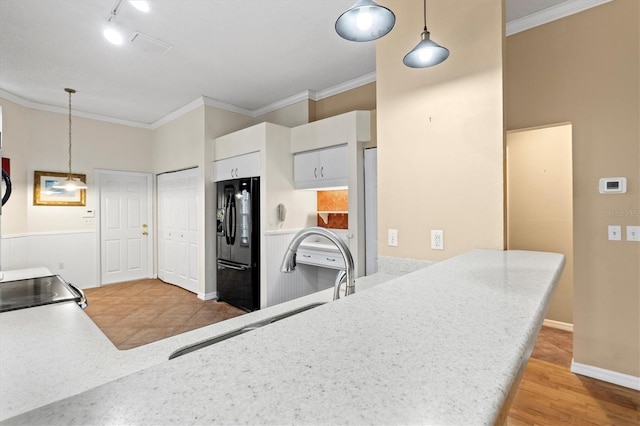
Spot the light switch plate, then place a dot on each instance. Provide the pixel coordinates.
(615, 232)
(633, 233)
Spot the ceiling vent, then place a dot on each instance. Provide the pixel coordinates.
(149, 44)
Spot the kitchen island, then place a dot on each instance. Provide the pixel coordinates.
(442, 345)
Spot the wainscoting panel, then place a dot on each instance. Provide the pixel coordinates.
(72, 255)
(281, 287)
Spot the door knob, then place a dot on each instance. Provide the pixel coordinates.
(145, 233)
(144, 225)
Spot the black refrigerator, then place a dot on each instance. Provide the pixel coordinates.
(238, 242)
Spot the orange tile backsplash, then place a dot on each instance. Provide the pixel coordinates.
(334, 221)
(337, 200)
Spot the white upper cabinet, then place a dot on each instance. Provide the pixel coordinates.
(321, 168)
(240, 166)
(351, 127)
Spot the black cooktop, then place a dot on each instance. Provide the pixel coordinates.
(32, 292)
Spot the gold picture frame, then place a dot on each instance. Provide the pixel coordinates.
(45, 195)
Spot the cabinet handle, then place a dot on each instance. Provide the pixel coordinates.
(315, 172)
(236, 172)
(306, 255)
(231, 172)
(322, 171)
(331, 259)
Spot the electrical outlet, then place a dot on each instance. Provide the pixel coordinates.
(393, 238)
(437, 239)
(614, 232)
(633, 233)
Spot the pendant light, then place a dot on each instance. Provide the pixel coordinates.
(427, 53)
(70, 184)
(365, 21)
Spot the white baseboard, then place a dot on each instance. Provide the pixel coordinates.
(614, 377)
(208, 296)
(559, 325)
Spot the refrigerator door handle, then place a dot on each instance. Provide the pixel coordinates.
(223, 264)
(232, 232)
(227, 218)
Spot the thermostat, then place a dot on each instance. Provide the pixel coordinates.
(616, 185)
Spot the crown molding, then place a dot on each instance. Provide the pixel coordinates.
(194, 104)
(315, 96)
(550, 14)
(225, 106)
(347, 85)
(293, 99)
(202, 101)
(60, 110)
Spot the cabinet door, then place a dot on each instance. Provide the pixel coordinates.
(333, 163)
(305, 166)
(323, 168)
(247, 165)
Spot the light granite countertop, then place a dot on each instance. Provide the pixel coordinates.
(51, 352)
(441, 345)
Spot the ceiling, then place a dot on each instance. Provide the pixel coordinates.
(247, 54)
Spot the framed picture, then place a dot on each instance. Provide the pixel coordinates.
(45, 195)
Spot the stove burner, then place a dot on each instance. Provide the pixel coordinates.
(33, 292)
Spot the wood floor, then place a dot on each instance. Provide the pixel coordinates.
(139, 312)
(549, 394)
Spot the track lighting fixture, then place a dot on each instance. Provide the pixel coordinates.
(112, 32)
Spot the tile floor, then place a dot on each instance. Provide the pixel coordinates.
(138, 312)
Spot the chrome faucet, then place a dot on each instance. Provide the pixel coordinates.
(289, 261)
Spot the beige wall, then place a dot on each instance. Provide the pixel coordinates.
(289, 116)
(540, 203)
(360, 98)
(179, 144)
(38, 140)
(585, 69)
(440, 131)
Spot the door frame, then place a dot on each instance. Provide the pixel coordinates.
(370, 165)
(99, 175)
(566, 281)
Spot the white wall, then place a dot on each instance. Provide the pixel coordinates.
(278, 168)
(38, 140)
(75, 250)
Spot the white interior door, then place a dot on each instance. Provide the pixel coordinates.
(178, 229)
(125, 219)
